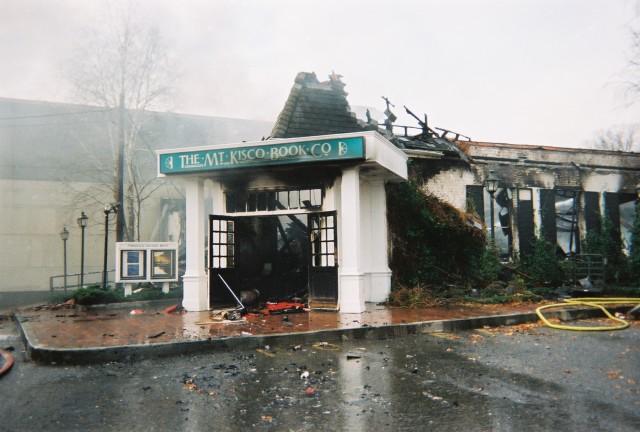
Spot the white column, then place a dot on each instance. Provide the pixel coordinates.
(537, 212)
(380, 274)
(195, 286)
(217, 196)
(351, 278)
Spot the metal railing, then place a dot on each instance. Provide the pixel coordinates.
(591, 266)
(73, 280)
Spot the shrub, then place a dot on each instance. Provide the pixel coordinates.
(608, 244)
(57, 298)
(95, 294)
(432, 244)
(488, 268)
(544, 264)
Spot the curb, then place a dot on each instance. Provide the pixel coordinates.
(128, 353)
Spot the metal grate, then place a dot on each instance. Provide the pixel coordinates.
(590, 266)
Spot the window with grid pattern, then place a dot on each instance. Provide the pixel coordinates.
(323, 240)
(222, 253)
(273, 200)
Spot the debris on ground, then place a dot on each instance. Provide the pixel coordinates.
(326, 346)
(285, 308)
(69, 304)
(175, 309)
(223, 316)
(527, 328)
(136, 312)
(249, 297)
(234, 315)
(157, 335)
(7, 363)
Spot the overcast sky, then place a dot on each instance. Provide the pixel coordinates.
(543, 72)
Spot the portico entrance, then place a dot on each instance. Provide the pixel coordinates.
(288, 217)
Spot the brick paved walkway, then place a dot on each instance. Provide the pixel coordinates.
(69, 328)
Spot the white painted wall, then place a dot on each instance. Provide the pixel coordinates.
(450, 186)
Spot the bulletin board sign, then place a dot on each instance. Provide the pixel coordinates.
(146, 262)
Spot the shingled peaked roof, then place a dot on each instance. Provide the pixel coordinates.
(315, 108)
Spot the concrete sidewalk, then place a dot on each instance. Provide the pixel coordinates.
(127, 332)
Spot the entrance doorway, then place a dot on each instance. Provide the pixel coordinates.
(282, 256)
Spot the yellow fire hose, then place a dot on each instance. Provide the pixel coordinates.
(591, 302)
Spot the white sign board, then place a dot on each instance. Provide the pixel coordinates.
(146, 262)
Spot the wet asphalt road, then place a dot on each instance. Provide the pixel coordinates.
(508, 379)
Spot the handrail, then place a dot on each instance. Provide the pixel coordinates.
(71, 284)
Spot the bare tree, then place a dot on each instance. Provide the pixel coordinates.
(631, 74)
(618, 138)
(124, 67)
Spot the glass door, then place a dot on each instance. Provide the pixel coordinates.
(323, 266)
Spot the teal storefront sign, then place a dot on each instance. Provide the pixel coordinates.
(261, 155)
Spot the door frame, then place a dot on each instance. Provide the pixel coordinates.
(221, 259)
(323, 260)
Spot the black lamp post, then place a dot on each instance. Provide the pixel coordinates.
(108, 209)
(491, 183)
(82, 223)
(64, 235)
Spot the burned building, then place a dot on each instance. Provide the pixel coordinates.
(305, 210)
(559, 194)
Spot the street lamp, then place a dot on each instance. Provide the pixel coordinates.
(491, 183)
(64, 235)
(82, 223)
(108, 209)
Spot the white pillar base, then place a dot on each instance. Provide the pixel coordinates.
(379, 286)
(352, 293)
(195, 293)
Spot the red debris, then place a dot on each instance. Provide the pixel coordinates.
(8, 362)
(171, 309)
(284, 307)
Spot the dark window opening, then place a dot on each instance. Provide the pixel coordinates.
(274, 200)
(566, 208)
(502, 205)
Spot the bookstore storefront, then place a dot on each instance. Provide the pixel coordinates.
(302, 217)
